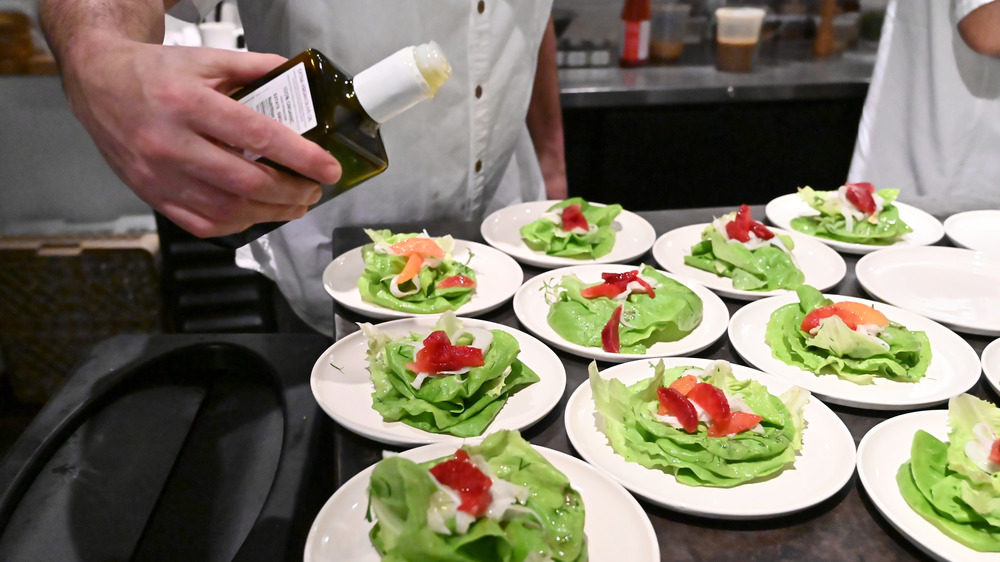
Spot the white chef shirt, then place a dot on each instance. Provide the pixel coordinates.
(457, 156)
(931, 121)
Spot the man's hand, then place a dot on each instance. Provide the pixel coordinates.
(163, 120)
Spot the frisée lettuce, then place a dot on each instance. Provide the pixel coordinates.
(573, 228)
(841, 219)
(453, 397)
(529, 512)
(857, 354)
(640, 430)
(956, 485)
(435, 283)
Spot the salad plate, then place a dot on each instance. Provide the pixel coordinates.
(616, 525)
(822, 266)
(634, 236)
(926, 229)
(954, 366)
(975, 230)
(497, 276)
(824, 465)
(991, 364)
(342, 386)
(532, 308)
(955, 286)
(880, 454)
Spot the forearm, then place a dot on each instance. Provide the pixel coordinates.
(545, 118)
(980, 29)
(69, 25)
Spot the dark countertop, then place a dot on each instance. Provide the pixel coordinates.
(215, 444)
(844, 527)
(694, 79)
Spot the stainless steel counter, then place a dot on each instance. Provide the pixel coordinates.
(776, 78)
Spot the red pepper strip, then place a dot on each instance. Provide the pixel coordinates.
(741, 227)
(860, 194)
(609, 290)
(623, 279)
(616, 284)
(675, 404)
(472, 485)
(609, 335)
(439, 355)
(572, 217)
(456, 281)
(711, 399)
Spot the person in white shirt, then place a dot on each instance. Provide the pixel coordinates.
(931, 121)
(491, 137)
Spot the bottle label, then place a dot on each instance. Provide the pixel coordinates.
(635, 41)
(287, 99)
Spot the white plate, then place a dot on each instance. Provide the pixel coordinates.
(956, 287)
(502, 230)
(822, 265)
(616, 526)
(532, 311)
(824, 465)
(991, 364)
(926, 229)
(498, 276)
(954, 366)
(880, 454)
(975, 230)
(341, 384)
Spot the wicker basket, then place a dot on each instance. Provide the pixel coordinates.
(60, 295)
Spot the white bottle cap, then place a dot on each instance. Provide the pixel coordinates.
(392, 85)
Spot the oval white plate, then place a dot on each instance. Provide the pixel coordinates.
(991, 364)
(956, 287)
(954, 366)
(880, 454)
(498, 276)
(532, 311)
(975, 230)
(821, 264)
(926, 229)
(341, 384)
(824, 465)
(616, 526)
(502, 230)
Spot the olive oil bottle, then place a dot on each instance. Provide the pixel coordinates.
(340, 112)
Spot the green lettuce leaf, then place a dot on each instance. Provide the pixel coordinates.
(830, 223)
(766, 268)
(430, 299)
(674, 313)
(628, 413)
(948, 489)
(838, 350)
(544, 235)
(460, 404)
(552, 525)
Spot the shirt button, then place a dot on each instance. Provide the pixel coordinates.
(479, 92)
(481, 6)
(479, 165)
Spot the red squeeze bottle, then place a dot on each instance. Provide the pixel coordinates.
(635, 40)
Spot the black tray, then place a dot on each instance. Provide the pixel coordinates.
(179, 447)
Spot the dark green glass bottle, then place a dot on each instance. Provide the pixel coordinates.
(340, 112)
